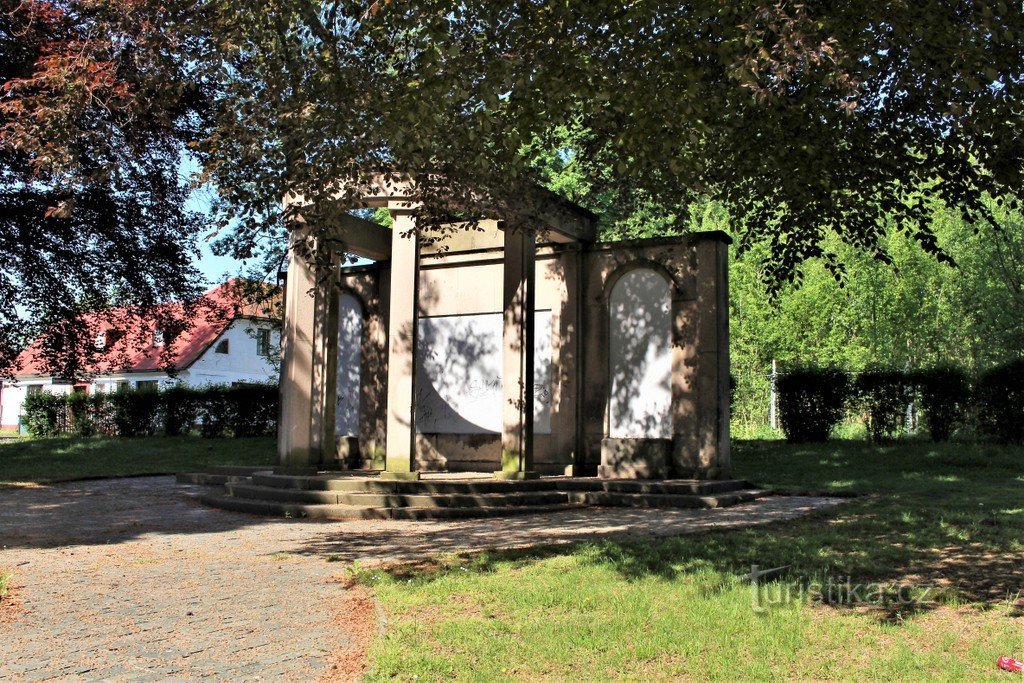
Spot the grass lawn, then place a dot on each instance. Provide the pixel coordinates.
(27, 461)
(936, 543)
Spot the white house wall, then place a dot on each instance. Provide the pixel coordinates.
(10, 405)
(241, 364)
(13, 396)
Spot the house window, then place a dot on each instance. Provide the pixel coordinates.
(222, 347)
(33, 389)
(263, 342)
(101, 340)
(147, 385)
(158, 337)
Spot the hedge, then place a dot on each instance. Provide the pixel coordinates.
(239, 411)
(883, 396)
(1000, 402)
(46, 414)
(812, 401)
(944, 393)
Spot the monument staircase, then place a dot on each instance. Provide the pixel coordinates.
(364, 495)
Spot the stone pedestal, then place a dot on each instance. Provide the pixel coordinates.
(635, 458)
(348, 452)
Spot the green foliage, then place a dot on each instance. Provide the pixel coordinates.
(88, 413)
(253, 409)
(916, 313)
(882, 395)
(811, 402)
(180, 407)
(944, 393)
(45, 414)
(245, 410)
(794, 116)
(1000, 398)
(214, 411)
(135, 412)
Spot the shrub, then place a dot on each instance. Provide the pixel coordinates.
(1000, 398)
(252, 409)
(45, 414)
(883, 396)
(944, 393)
(86, 413)
(180, 406)
(214, 414)
(243, 410)
(134, 412)
(811, 402)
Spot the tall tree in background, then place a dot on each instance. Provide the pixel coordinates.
(96, 107)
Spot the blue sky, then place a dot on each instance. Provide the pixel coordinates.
(215, 269)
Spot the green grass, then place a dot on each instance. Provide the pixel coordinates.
(27, 461)
(945, 521)
(5, 583)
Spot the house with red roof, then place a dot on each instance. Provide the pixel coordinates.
(228, 341)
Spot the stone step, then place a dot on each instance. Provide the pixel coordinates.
(208, 479)
(662, 500)
(701, 487)
(422, 487)
(394, 500)
(355, 512)
(238, 470)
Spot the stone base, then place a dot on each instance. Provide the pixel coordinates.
(702, 473)
(516, 475)
(635, 458)
(347, 454)
(388, 475)
(296, 470)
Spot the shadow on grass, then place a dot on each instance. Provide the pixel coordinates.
(943, 520)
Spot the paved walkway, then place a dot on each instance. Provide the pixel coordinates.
(132, 579)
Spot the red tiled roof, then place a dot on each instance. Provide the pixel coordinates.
(129, 334)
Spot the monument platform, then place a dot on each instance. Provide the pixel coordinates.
(444, 495)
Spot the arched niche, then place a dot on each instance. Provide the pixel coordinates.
(640, 356)
(350, 361)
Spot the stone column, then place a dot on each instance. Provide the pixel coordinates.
(400, 450)
(308, 357)
(701, 369)
(518, 355)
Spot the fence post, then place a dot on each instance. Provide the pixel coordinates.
(772, 415)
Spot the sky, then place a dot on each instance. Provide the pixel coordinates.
(215, 269)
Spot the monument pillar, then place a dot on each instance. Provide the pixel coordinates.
(400, 450)
(518, 355)
(308, 355)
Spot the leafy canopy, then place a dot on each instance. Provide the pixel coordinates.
(96, 107)
(807, 121)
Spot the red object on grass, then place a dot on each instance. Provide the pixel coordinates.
(1010, 664)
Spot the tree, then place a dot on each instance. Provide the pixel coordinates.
(807, 121)
(96, 109)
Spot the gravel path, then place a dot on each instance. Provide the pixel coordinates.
(132, 579)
